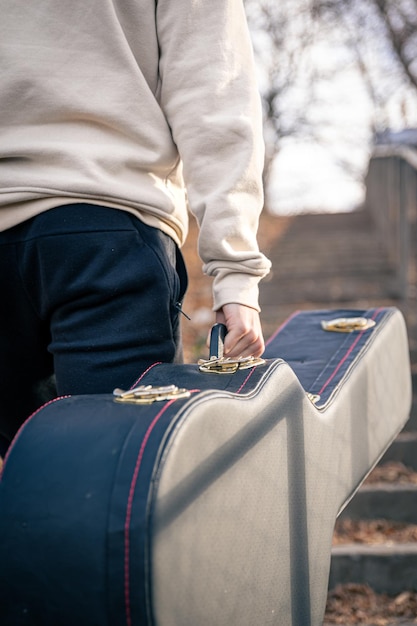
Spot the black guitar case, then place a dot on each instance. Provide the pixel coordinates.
(211, 501)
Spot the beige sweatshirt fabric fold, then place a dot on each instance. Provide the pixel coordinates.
(149, 106)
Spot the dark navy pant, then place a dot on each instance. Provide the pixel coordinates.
(90, 294)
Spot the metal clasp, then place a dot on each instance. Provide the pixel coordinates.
(219, 364)
(222, 365)
(313, 397)
(348, 324)
(147, 394)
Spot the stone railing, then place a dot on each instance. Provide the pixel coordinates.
(391, 197)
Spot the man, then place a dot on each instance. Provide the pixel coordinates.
(111, 113)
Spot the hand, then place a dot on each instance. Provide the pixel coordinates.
(244, 333)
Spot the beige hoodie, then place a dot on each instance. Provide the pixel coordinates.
(143, 105)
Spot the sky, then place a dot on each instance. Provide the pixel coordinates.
(316, 176)
(328, 175)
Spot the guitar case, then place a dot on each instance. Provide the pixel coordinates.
(202, 498)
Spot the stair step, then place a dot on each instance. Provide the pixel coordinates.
(403, 449)
(387, 568)
(397, 502)
(411, 425)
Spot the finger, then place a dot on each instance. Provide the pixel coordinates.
(249, 344)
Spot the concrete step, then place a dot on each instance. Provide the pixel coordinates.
(387, 568)
(403, 449)
(391, 567)
(411, 425)
(306, 258)
(332, 290)
(332, 258)
(396, 502)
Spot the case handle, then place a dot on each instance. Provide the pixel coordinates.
(218, 363)
(217, 336)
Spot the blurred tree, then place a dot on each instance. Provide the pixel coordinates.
(307, 50)
(383, 36)
(400, 19)
(282, 40)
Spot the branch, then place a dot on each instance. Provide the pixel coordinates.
(397, 41)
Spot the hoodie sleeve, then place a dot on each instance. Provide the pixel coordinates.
(210, 97)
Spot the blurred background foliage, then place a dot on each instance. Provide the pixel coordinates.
(334, 75)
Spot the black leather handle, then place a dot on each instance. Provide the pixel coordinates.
(218, 333)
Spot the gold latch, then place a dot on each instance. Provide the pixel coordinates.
(222, 365)
(348, 324)
(219, 364)
(313, 397)
(147, 394)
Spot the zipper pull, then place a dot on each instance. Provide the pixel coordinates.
(178, 306)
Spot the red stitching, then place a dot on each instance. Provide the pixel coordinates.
(144, 373)
(352, 347)
(130, 504)
(129, 509)
(246, 380)
(19, 432)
